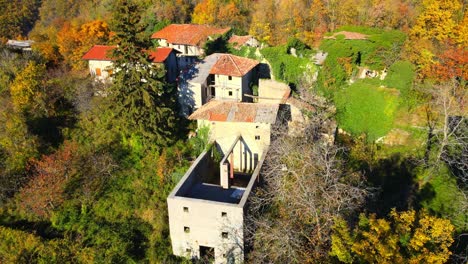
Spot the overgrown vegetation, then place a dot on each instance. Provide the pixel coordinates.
(84, 178)
(286, 67)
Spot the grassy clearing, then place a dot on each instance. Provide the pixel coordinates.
(363, 108)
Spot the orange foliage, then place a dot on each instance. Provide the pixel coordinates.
(74, 41)
(50, 174)
(453, 63)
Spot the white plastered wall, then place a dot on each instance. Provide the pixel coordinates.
(224, 86)
(206, 223)
(103, 65)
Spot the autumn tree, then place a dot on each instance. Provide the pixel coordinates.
(73, 41)
(407, 237)
(262, 26)
(28, 88)
(305, 186)
(436, 24)
(452, 64)
(205, 12)
(46, 188)
(178, 11)
(223, 14)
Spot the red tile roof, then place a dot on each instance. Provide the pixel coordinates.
(188, 34)
(99, 52)
(160, 55)
(232, 65)
(238, 41)
(348, 35)
(229, 111)
(102, 52)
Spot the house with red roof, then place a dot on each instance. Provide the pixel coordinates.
(188, 39)
(101, 66)
(100, 62)
(220, 76)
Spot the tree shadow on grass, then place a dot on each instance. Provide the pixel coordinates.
(394, 179)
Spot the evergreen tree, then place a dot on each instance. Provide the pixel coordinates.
(139, 100)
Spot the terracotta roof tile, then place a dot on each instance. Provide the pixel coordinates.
(228, 64)
(217, 117)
(160, 54)
(102, 52)
(228, 111)
(99, 52)
(188, 34)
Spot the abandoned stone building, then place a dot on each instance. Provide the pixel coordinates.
(207, 207)
(218, 76)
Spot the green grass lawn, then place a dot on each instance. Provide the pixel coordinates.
(363, 108)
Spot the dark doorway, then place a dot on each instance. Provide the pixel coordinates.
(207, 254)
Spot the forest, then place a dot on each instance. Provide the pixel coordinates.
(84, 178)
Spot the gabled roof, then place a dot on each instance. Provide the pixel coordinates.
(103, 52)
(161, 54)
(188, 34)
(228, 111)
(232, 65)
(238, 41)
(99, 52)
(348, 35)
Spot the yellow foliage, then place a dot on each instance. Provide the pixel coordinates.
(27, 88)
(423, 238)
(431, 240)
(461, 32)
(262, 31)
(16, 244)
(436, 21)
(378, 244)
(205, 12)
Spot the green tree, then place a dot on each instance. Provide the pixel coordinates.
(139, 99)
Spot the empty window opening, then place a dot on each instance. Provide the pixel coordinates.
(224, 214)
(230, 78)
(207, 254)
(230, 93)
(224, 235)
(186, 229)
(213, 91)
(185, 209)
